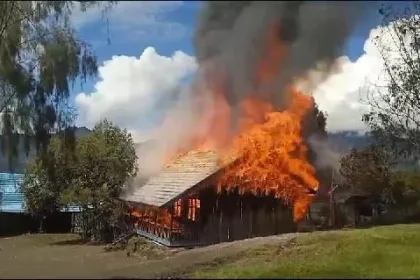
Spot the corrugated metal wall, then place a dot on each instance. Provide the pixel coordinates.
(11, 197)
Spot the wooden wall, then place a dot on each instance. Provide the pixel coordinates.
(229, 216)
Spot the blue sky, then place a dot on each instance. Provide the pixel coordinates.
(130, 44)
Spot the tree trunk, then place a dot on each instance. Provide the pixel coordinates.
(41, 224)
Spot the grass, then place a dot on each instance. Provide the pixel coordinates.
(388, 251)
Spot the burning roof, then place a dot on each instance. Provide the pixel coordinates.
(177, 178)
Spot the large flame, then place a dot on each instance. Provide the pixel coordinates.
(271, 149)
(273, 155)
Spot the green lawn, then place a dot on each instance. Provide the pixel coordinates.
(388, 251)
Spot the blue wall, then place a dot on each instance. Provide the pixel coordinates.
(11, 197)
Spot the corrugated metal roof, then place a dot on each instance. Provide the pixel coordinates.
(71, 208)
(182, 174)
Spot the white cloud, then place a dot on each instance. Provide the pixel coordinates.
(135, 18)
(131, 90)
(343, 95)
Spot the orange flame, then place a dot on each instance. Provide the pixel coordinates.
(273, 154)
(269, 142)
(164, 217)
(160, 217)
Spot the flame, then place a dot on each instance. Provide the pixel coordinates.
(163, 216)
(160, 217)
(269, 143)
(271, 149)
(273, 155)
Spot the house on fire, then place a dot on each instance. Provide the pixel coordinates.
(182, 207)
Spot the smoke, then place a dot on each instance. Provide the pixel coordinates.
(170, 136)
(230, 41)
(326, 157)
(235, 35)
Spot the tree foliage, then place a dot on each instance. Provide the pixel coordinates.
(395, 105)
(47, 177)
(406, 188)
(105, 160)
(91, 176)
(41, 57)
(368, 171)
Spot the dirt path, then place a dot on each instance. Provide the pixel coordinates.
(183, 261)
(37, 256)
(53, 256)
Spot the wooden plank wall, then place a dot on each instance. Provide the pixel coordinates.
(228, 217)
(225, 217)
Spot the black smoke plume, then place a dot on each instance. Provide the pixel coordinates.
(233, 35)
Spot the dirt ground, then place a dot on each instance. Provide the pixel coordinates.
(63, 256)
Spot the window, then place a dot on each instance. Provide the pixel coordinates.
(178, 208)
(193, 208)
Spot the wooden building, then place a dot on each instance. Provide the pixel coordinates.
(182, 207)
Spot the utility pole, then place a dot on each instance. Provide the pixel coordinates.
(331, 198)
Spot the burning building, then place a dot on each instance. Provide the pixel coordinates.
(182, 205)
(241, 164)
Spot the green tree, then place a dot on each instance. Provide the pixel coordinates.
(91, 176)
(368, 171)
(106, 159)
(406, 191)
(41, 57)
(394, 115)
(47, 179)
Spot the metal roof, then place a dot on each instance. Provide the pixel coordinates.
(180, 176)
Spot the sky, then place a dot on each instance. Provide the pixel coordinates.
(151, 54)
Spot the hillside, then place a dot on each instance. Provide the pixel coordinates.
(343, 141)
(23, 159)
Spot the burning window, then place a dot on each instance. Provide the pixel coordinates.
(193, 208)
(178, 208)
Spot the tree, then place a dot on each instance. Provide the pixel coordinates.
(406, 190)
(106, 159)
(47, 179)
(368, 171)
(91, 175)
(394, 116)
(40, 59)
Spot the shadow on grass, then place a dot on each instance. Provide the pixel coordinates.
(126, 277)
(78, 241)
(71, 242)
